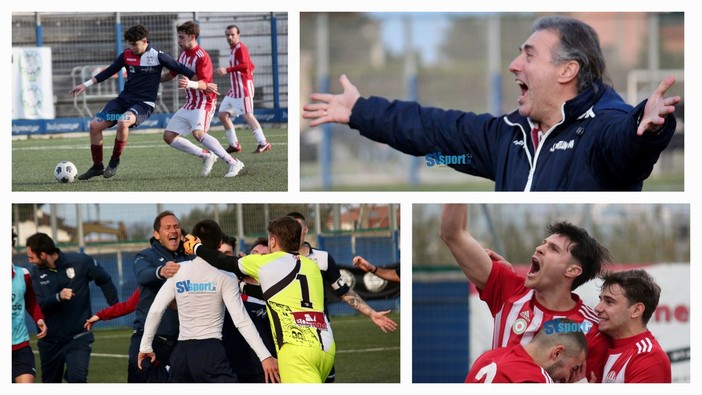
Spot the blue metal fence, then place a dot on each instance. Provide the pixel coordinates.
(440, 335)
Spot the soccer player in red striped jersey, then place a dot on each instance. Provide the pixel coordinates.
(566, 259)
(200, 104)
(239, 99)
(627, 302)
(555, 354)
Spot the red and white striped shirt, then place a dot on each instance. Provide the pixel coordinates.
(518, 315)
(637, 359)
(240, 72)
(198, 60)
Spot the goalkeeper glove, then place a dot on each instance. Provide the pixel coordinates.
(190, 243)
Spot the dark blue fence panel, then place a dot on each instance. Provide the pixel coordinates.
(440, 332)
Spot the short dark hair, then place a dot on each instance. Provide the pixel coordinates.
(189, 27)
(233, 27)
(41, 242)
(260, 241)
(296, 215)
(162, 215)
(136, 33)
(588, 253)
(287, 232)
(638, 287)
(231, 240)
(209, 233)
(579, 42)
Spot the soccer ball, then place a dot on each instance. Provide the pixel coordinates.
(374, 283)
(65, 172)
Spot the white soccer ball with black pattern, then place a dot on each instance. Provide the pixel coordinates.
(65, 172)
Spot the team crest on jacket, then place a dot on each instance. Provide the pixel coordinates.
(70, 273)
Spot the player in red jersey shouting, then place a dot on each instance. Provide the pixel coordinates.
(566, 259)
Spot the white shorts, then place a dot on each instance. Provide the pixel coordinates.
(186, 121)
(236, 106)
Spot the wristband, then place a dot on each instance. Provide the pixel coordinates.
(375, 269)
(88, 83)
(193, 85)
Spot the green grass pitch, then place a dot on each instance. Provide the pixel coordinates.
(149, 164)
(364, 354)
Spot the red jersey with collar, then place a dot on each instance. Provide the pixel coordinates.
(198, 60)
(518, 315)
(637, 359)
(240, 72)
(507, 365)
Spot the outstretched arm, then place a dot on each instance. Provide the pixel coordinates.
(657, 108)
(78, 89)
(173, 65)
(469, 254)
(332, 108)
(378, 317)
(385, 274)
(116, 310)
(221, 261)
(101, 76)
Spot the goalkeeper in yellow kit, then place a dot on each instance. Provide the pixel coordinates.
(294, 293)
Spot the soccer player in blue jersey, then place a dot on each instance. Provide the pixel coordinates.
(134, 104)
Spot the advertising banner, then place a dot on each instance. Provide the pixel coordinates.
(32, 83)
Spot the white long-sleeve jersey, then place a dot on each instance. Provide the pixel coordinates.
(201, 293)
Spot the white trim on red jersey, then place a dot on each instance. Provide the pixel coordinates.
(198, 60)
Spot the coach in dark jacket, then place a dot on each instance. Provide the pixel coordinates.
(61, 281)
(152, 267)
(571, 132)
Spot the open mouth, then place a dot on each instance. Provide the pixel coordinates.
(535, 266)
(524, 89)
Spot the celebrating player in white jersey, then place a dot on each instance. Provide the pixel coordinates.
(201, 101)
(239, 99)
(566, 259)
(201, 293)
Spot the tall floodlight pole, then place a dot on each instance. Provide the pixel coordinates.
(653, 51)
(322, 41)
(411, 82)
(240, 226)
(494, 60)
(120, 49)
(79, 227)
(39, 32)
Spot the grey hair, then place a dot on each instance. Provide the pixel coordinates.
(579, 42)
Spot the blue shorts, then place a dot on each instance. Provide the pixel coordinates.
(200, 361)
(23, 362)
(115, 108)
